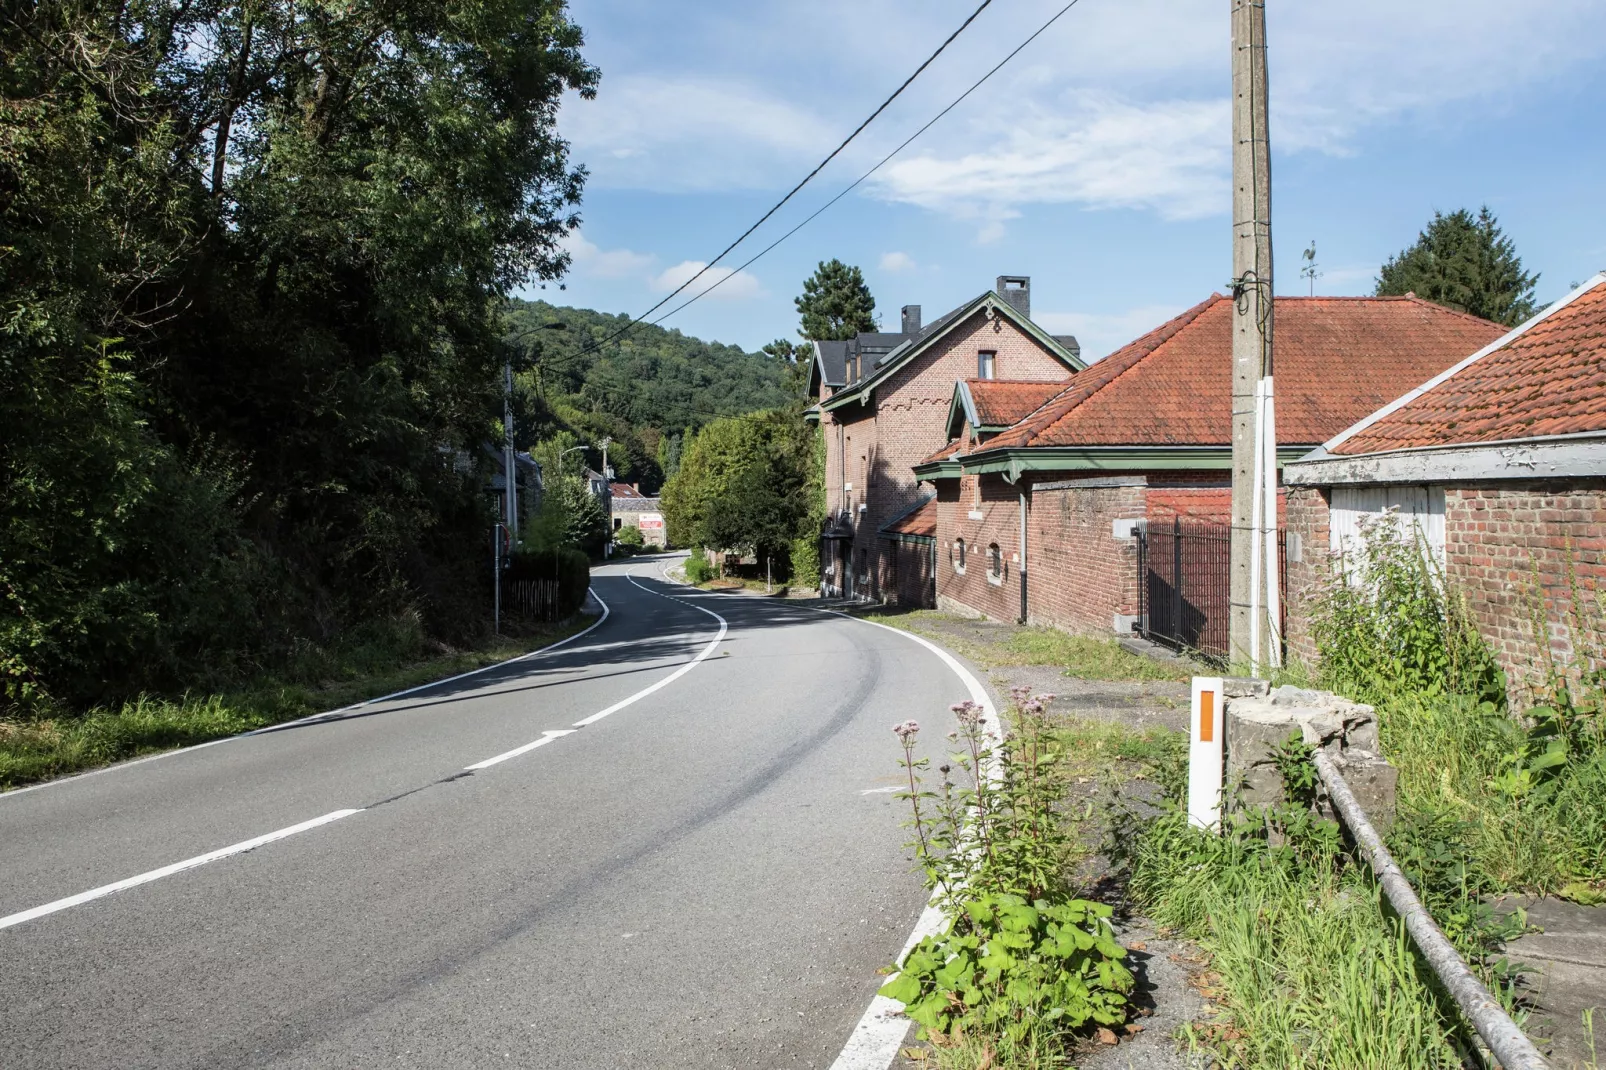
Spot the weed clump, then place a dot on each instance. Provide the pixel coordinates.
(1023, 967)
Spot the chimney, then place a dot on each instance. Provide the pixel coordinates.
(911, 319)
(1017, 290)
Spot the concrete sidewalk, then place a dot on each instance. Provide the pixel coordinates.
(1569, 960)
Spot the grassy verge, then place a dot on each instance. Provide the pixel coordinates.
(1083, 656)
(36, 750)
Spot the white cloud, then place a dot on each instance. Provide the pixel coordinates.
(896, 263)
(1117, 106)
(1096, 150)
(737, 286)
(1101, 334)
(668, 132)
(591, 261)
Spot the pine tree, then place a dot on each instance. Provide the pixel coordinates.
(1464, 262)
(836, 303)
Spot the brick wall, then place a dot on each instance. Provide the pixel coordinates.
(1524, 552)
(984, 511)
(1306, 518)
(1080, 575)
(906, 422)
(1517, 551)
(911, 573)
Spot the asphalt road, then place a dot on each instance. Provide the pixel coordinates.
(704, 878)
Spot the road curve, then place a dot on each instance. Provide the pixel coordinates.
(707, 877)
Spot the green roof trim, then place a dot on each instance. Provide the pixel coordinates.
(1013, 463)
(945, 469)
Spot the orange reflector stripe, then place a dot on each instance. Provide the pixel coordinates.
(1207, 716)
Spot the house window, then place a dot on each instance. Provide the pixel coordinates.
(864, 569)
(986, 364)
(618, 523)
(959, 556)
(995, 564)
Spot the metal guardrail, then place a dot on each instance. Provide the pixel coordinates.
(1508, 1043)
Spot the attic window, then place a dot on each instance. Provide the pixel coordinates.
(987, 364)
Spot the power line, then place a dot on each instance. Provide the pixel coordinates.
(883, 161)
(896, 93)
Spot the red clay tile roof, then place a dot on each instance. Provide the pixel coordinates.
(625, 490)
(1548, 380)
(1001, 402)
(921, 521)
(944, 453)
(1338, 358)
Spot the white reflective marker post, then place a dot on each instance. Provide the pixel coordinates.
(1206, 753)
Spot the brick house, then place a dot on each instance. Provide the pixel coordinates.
(883, 405)
(1040, 521)
(1500, 462)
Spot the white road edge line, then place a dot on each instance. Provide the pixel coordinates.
(549, 736)
(678, 673)
(317, 716)
(875, 1040)
(167, 871)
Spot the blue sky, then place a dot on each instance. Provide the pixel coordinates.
(1098, 162)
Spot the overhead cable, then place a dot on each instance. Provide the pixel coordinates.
(896, 93)
(883, 161)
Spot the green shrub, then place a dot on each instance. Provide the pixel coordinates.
(806, 561)
(629, 535)
(1022, 963)
(698, 568)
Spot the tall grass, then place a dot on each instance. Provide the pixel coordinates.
(376, 661)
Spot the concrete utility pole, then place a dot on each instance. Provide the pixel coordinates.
(1252, 307)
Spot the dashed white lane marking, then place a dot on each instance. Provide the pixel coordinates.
(167, 871)
(258, 841)
(546, 737)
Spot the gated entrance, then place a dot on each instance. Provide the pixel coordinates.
(1183, 584)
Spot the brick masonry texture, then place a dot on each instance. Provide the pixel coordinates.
(913, 569)
(1081, 575)
(881, 444)
(1530, 558)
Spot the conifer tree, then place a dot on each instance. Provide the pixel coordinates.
(835, 303)
(1463, 262)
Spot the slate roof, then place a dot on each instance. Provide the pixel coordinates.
(919, 522)
(1548, 377)
(1338, 358)
(1002, 402)
(833, 360)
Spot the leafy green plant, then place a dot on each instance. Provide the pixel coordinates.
(1022, 971)
(1022, 962)
(698, 568)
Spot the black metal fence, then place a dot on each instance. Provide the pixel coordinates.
(1184, 584)
(534, 600)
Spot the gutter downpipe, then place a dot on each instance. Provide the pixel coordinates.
(1023, 553)
(1508, 1043)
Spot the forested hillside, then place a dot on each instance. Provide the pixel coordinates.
(253, 259)
(644, 389)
